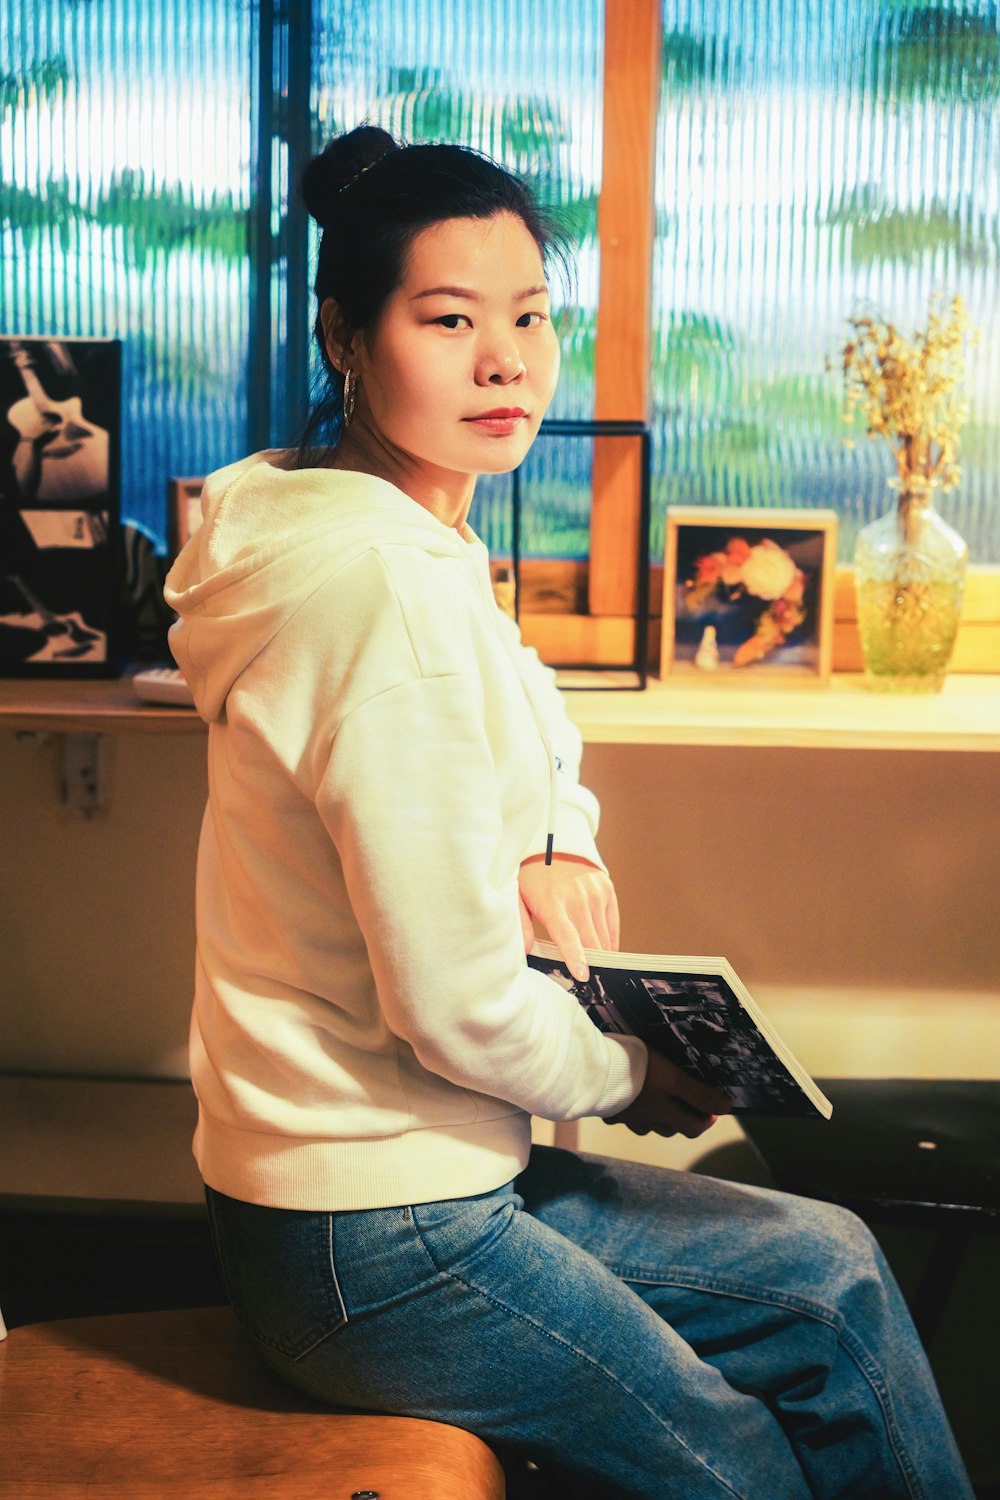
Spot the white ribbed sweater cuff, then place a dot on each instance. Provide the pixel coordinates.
(626, 1076)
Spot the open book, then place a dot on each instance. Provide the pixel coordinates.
(698, 1013)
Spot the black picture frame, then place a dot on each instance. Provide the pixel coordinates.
(60, 507)
(623, 676)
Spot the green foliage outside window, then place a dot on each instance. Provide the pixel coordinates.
(761, 255)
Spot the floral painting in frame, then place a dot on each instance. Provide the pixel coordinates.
(748, 594)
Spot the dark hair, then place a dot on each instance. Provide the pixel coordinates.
(372, 196)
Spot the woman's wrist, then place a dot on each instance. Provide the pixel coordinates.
(573, 859)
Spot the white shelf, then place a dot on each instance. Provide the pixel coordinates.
(965, 715)
(844, 715)
(99, 1145)
(109, 706)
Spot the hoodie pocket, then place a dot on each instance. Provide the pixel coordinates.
(277, 1267)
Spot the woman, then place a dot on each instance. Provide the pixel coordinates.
(393, 804)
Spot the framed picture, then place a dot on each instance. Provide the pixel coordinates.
(183, 510)
(555, 496)
(60, 583)
(748, 594)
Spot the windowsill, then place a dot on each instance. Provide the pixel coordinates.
(844, 715)
(965, 715)
(108, 706)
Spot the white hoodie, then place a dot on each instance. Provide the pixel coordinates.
(366, 1031)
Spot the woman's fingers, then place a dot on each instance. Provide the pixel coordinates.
(527, 926)
(576, 904)
(567, 939)
(671, 1102)
(687, 1122)
(673, 1117)
(606, 921)
(580, 924)
(613, 922)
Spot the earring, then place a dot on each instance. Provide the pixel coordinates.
(350, 396)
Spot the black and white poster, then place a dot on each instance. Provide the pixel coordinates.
(60, 423)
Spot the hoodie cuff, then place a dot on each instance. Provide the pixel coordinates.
(573, 835)
(626, 1076)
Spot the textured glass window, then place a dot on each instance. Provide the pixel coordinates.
(818, 158)
(124, 188)
(815, 158)
(524, 83)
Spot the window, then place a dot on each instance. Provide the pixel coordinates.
(814, 160)
(810, 158)
(524, 84)
(125, 168)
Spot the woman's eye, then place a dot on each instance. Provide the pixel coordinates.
(453, 320)
(530, 319)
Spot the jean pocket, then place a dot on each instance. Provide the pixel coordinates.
(278, 1269)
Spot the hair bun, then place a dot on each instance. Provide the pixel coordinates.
(342, 160)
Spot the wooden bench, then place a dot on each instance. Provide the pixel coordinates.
(161, 1404)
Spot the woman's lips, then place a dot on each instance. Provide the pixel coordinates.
(499, 423)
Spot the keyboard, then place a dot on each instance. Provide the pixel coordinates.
(163, 685)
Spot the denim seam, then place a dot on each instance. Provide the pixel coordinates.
(851, 1344)
(251, 1325)
(579, 1354)
(321, 1331)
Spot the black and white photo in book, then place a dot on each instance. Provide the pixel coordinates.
(697, 1013)
(60, 425)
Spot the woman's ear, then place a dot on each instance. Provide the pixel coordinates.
(336, 336)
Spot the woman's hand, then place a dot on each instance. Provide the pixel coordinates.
(576, 904)
(671, 1102)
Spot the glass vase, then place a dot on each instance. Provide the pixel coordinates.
(910, 579)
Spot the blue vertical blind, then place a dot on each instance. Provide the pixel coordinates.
(817, 159)
(124, 193)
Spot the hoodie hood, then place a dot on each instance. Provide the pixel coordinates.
(270, 536)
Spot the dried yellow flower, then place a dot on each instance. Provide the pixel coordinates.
(906, 390)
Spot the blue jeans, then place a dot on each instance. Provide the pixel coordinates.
(670, 1336)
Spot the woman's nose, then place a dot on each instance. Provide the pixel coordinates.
(500, 364)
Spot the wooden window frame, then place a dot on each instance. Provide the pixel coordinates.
(604, 630)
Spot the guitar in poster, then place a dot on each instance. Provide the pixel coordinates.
(59, 506)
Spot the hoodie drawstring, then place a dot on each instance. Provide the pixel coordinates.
(550, 821)
(486, 586)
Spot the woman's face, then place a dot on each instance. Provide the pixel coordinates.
(460, 368)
